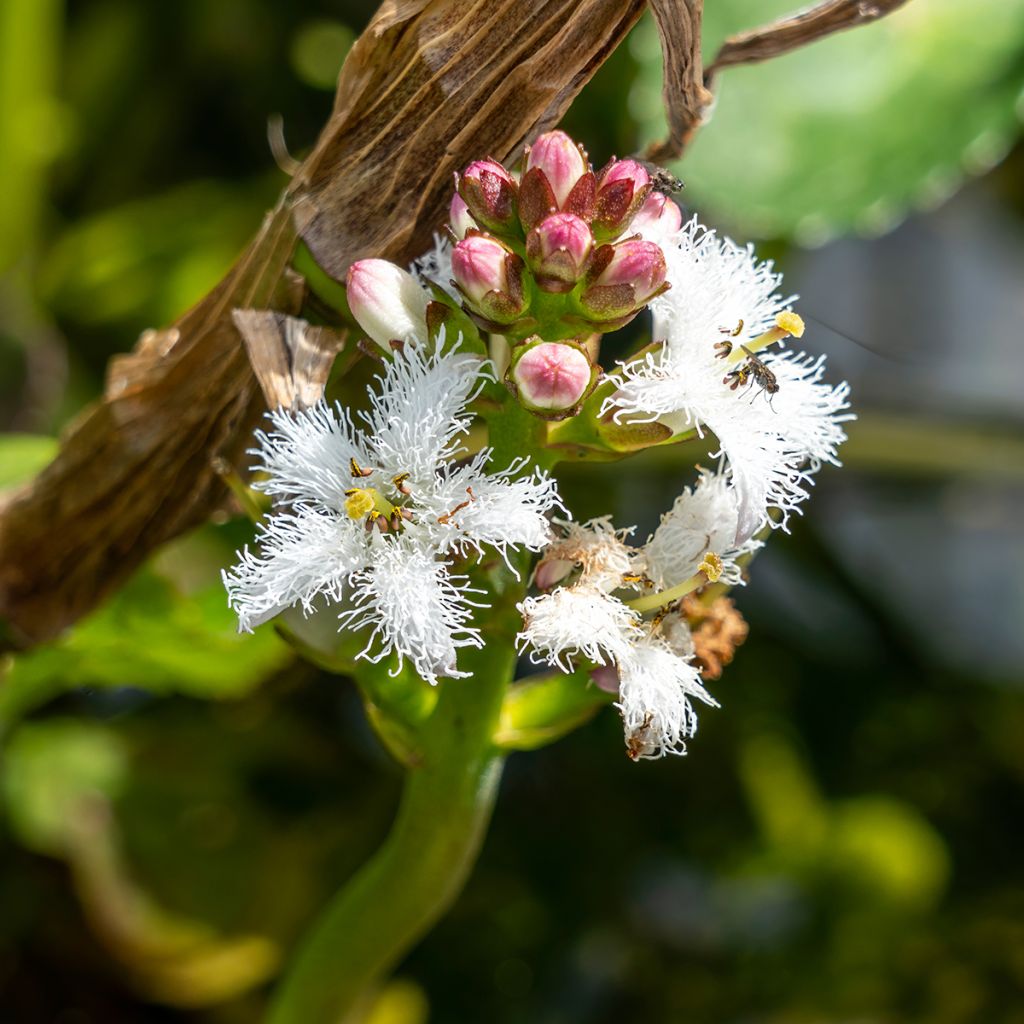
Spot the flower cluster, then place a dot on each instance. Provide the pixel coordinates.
(372, 520)
(386, 523)
(597, 617)
(717, 365)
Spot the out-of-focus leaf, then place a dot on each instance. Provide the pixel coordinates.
(23, 455)
(153, 638)
(147, 260)
(850, 132)
(50, 769)
(61, 781)
(875, 844)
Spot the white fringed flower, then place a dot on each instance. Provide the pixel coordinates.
(721, 293)
(703, 518)
(655, 687)
(580, 621)
(373, 515)
(651, 659)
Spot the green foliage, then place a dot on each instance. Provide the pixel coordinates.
(850, 132)
(152, 637)
(51, 769)
(22, 456)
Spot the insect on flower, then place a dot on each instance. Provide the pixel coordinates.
(753, 371)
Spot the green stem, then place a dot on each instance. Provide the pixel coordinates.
(418, 872)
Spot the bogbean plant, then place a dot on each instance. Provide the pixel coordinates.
(428, 528)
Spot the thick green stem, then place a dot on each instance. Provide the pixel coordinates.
(418, 872)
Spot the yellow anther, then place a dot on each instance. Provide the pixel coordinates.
(359, 502)
(711, 567)
(791, 323)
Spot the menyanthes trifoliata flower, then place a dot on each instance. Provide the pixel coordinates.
(774, 417)
(597, 615)
(371, 519)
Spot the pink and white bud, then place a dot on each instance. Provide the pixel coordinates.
(622, 187)
(551, 378)
(557, 251)
(658, 219)
(624, 278)
(605, 677)
(489, 192)
(459, 217)
(490, 277)
(478, 263)
(561, 160)
(387, 302)
(551, 571)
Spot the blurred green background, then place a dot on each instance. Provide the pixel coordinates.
(842, 844)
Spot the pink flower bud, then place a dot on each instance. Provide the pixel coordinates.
(551, 377)
(561, 160)
(658, 218)
(551, 571)
(622, 187)
(557, 251)
(489, 192)
(605, 677)
(459, 217)
(490, 277)
(387, 301)
(557, 177)
(624, 278)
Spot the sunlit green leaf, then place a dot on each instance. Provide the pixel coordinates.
(153, 638)
(22, 456)
(849, 132)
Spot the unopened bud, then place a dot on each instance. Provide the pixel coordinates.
(490, 277)
(557, 177)
(551, 378)
(387, 302)
(489, 192)
(622, 188)
(605, 677)
(459, 217)
(658, 218)
(557, 250)
(625, 277)
(552, 571)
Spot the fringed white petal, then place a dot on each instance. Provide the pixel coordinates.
(414, 608)
(420, 408)
(307, 455)
(304, 554)
(704, 518)
(655, 689)
(578, 621)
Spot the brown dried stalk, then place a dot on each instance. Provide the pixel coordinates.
(798, 30)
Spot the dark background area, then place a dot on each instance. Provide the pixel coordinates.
(842, 844)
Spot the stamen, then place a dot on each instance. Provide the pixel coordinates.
(711, 566)
(786, 323)
(400, 483)
(357, 470)
(359, 502)
(445, 519)
(709, 571)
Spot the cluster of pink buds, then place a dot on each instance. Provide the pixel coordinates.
(546, 258)
(545, 254)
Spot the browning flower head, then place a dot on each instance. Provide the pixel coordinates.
(716, 631)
